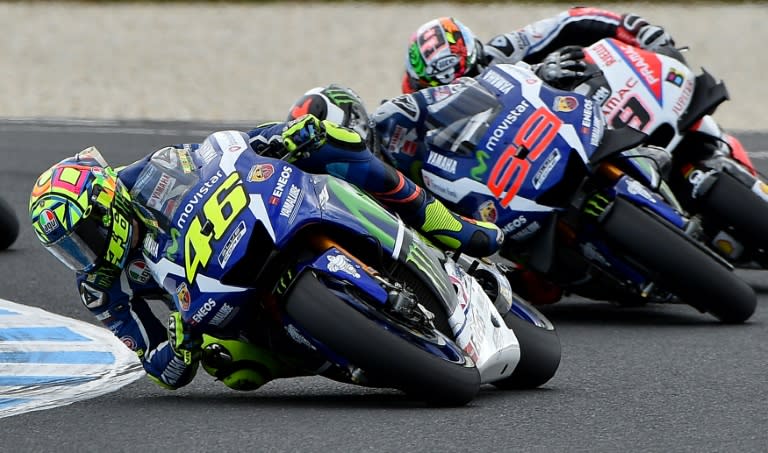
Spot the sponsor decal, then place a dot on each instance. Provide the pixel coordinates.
(442, 162)
(48, 221)
(681, 105)
(546, 168)
(206, 153)
(500, 130)
(323, 197)
(442, 92)
(597, 132)
(197, 197)
(222, 317)
(138, 271)
(410, 148)
(675, 77)
(129, 341)
(407, 106)
(601, 95)
(187, 166)
(229, 246)
(294, 333)
(261, 172)
(635, 188)
(565, 104)
(498, 81)
(603, 54)
(204, 310)
(586, 116)
(92, 297)
(277, 193)
(446, 62)
(340, 263)
(397, 136)
(183, 296)
(649, 70)
(514, 225)
(441, 188)
(292, 200)
(487, 211)
(151, 246)
(234, 148)
(527, 231)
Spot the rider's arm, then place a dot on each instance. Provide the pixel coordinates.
(579, 26)
(130, 319)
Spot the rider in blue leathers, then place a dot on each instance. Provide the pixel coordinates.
(89, 217)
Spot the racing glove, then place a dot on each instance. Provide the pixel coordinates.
(185, 344)
(649, 37)
(303, 135)
(562, 68)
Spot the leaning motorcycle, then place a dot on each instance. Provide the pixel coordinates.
(575, 208)
(248, 244)
(710, 172)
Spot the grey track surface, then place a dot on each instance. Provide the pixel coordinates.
(654, 379)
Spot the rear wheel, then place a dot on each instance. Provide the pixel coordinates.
(678, 264)
(729, 203)
(387, 352)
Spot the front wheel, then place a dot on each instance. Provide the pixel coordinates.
(386, 352)
(678, 264)
(9, 225)
(540, 349)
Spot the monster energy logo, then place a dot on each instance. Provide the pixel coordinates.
(339, 96)
(417, 62)
(367, 212)
(284, 281)
(596, 205)
(420, 259)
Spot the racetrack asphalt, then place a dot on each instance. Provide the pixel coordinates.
(650, 379)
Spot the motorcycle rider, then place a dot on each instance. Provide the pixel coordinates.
(87, 214)
(444, 49)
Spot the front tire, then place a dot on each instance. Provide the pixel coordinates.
(678, 264)
(9, 225)
(382, 353)
(540, 350)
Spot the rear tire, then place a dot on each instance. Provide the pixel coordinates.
(383, 354)
(730, 203)
(678, 264)
(9, 225)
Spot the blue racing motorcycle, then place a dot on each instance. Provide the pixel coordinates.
(254, 249)
(582, 206)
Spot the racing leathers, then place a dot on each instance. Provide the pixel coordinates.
(578, 26)
(120, 301)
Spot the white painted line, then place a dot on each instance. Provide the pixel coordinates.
(48, 360)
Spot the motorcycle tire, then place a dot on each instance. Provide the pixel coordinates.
(679, 265)
(731, 203)
(9, 225)
(383, 353)
(540, 353)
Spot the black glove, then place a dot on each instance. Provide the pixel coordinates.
(562, 68)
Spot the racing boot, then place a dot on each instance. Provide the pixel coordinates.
(440, 225)
(240, 365)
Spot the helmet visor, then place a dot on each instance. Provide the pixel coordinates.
(81, 249)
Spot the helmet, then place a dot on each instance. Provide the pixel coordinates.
(82, 213)
(441, 51)
(337, 104)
